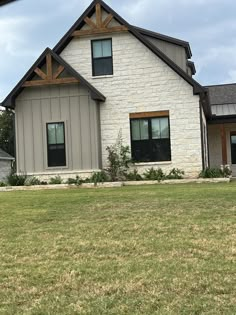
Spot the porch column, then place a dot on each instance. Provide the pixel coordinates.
(223, 144)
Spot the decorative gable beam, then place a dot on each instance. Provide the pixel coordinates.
(107, 20)
(100, 26)
(98, 14)
(50, 78)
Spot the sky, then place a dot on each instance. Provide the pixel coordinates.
(27, 27)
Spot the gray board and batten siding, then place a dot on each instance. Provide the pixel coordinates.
(71, 104)
(176, 53)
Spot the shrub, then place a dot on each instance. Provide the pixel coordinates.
(134, 176)
(43, 183)
(2, 184)
(175, 173)
(57, 180)
(154, 174)
(16, 180)
(99, 177)
(118, 160)
(227, 172)
(74, 181)
(32, 181)
(215, 172)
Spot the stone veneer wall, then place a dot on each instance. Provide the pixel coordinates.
(142, 82)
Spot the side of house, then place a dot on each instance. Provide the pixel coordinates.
(106, 77)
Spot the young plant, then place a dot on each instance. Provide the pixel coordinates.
(175, 173)
(118, 160)
(57, 180)
(154, 174)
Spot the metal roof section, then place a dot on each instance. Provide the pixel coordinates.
(5, 156)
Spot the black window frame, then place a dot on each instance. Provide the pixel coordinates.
(150, 143)
(49, 164)
(233, 158)
(101, 58)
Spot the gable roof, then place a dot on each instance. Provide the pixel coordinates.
(197, 88)
(3, 2)
(10, 99)
(166, 38)
(5, 156)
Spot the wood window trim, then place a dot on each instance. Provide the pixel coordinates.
(150, 140)
(149, 114)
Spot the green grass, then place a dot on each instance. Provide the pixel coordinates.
(146, 250)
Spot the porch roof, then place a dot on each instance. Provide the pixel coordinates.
(222, 99)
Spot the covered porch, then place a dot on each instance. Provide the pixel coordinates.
(222, 144)
(222, 126)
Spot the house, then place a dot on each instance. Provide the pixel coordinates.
(5, 164)
(106, 76)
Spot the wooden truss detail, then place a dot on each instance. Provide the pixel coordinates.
(100, 26)
(50, 78)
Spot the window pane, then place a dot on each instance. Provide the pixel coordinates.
(51, 134)
(156, 128)
(135, 130)
(165, 134)
(56, 155)
(97, 49)
(60, 133)
(106, 48)
(233, 149)
(102, 66)
(143, 124)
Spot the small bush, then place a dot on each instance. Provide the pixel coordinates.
(32, 181)
(215, 172)
(2, 184)
(118, 160)
(227, 172)
(57, 180)
(175, 173)
(43, 183)
(16, 180)
(134, 176)
(75, 181)
(99, 177)
(154, 174)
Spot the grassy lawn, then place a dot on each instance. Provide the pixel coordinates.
(146, 250)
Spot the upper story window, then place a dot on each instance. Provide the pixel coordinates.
(102, 57)
(150, 138)
(56, 144)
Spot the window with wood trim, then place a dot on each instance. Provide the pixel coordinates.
(102, 57)
(56, 144)
(150, 138)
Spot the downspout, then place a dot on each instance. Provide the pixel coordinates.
(202, 140)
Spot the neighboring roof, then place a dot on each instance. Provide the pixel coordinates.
(222, 99)
(197, 88)
(10, 99)
(191, 65)
(3, 2)
(166, 38)
(5, 156)
(222, 94)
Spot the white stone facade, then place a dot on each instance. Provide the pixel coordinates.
(142, 83)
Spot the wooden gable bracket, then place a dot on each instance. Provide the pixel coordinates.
(50, 78)
(100, 26)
